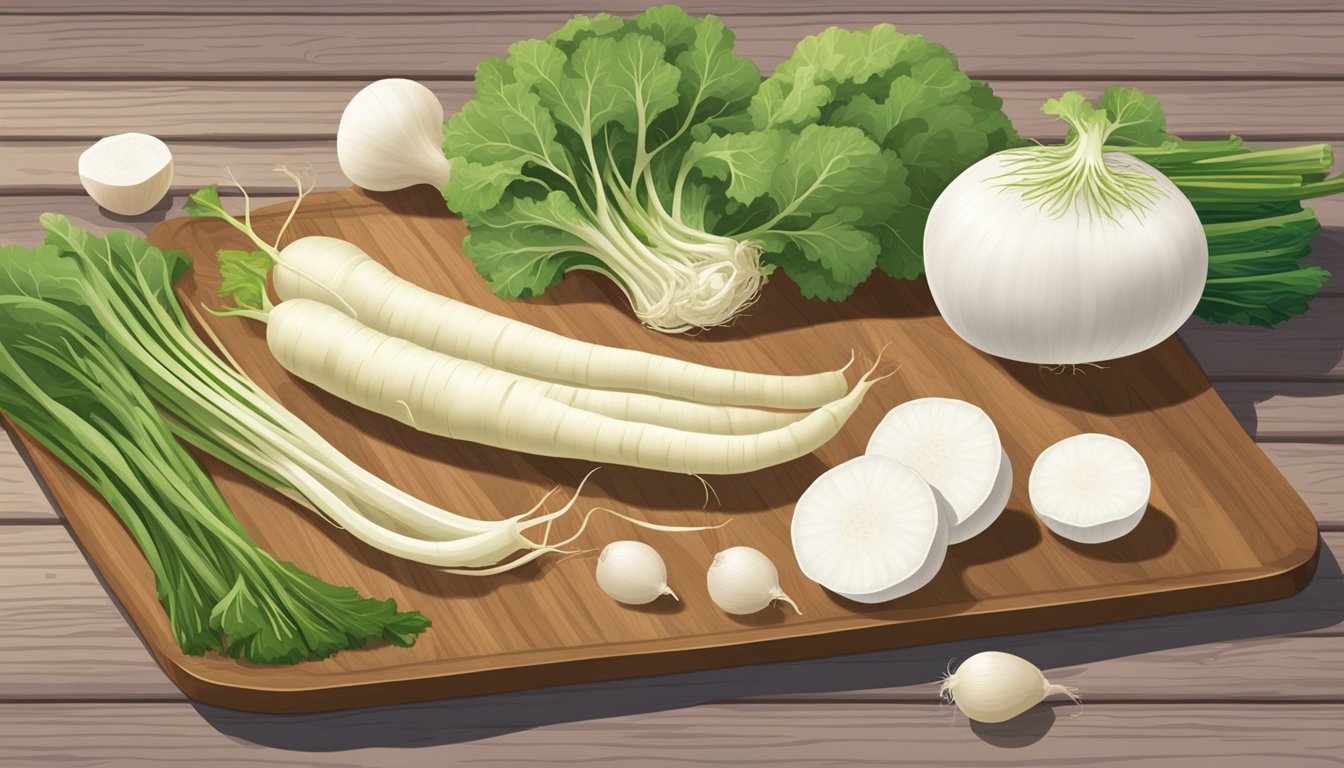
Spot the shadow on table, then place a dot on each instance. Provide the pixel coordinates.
(1320, 605)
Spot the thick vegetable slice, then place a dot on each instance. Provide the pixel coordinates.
(64, 386)
(955, 448)
(1090, 488)
(869, 530)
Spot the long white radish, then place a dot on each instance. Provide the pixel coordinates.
(443, 395)
(339, 274)
(669, 412)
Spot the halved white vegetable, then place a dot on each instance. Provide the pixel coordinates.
(128, 173)
(869, 530)
(955, 447)
(1090, 488)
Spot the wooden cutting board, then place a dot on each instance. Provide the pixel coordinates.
(1224, 527)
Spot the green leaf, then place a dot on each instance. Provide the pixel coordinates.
(747, 161)
(205, 202)
(833, 244)
(527, 247)
(1138, 117)
(243, 278)
(1264, 300)
(825, 168)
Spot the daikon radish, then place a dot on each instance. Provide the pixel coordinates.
(341, 275)
(443, 395)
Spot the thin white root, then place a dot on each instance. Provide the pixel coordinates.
(297, 202)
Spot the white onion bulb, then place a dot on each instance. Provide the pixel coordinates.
(869, 530)
(632, 572)
(1090, 488)
(1064, 254)
(390, 137)
(955, 448)
(127, 174)
(992, 687)
(742, 580)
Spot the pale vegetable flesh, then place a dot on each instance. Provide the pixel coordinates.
(869, 530)
(1090, 488)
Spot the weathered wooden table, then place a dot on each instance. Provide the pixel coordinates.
(258, 82)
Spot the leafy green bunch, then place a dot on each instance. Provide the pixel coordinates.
(646, 150)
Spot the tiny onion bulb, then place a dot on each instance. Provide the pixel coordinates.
(992, 687)
(389, 137)
(632, 572)
(742, 580)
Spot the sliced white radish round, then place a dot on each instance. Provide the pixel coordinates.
(1090, 488)
(869, 530)
(128, 173)
(955, 447)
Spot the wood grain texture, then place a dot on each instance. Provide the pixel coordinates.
(1039, 46)
(289, 109)
(1256, 540)
(1308, 347)
(1287, 412)
(80, 647)
(627, 7)
(1316, 470)
(812, 734)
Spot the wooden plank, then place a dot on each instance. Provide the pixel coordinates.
(19, 224)
(1075, 45)
(65, 639)
(1308, 347)
(1316, 470)
(22, 499)
(801, 734)
(1287, 412)
(46, 167)
(288, 109)
(631, 7)
(62, 635)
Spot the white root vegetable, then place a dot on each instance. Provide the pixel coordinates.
(1065, 254)
(389, 137)
(742, 581)
(992, 687)
(1090, 488)
(955, 448)
(127, 174)
(341, 275)
(633, 573)
(667, 412)
(869, 530)
(461, 399)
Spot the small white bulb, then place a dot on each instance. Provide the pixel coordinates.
(992, 687)
(390, 137)
(632, 572)
(127, 174)
(742, 580)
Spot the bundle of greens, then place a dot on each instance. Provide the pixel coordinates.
(1249, 202)
(646, 150)
(64, 384)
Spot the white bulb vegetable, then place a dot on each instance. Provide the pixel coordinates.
(955, 448)
(742, 580)
(390, 135)
(1090, 488)
(633, 573)
(127, 174)
(869, 530)
(1065, 254)
(991, 687)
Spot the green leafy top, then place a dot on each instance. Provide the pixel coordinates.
(646, 149)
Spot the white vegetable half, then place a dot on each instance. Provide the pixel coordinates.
(1090, 488)
(1064, 255)
(991, 687)
(632, 572)
(742, 580)
(390, 135)
(128, 173)
(955, 448)
(869, 530)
